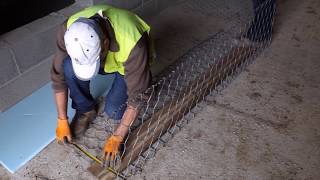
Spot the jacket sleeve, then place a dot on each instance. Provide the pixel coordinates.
(56, 72)
(137, 70)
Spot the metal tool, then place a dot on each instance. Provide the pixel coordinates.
(91, 156)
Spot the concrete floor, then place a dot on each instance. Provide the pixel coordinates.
(264, 125)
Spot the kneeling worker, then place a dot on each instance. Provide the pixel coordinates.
(109, 41)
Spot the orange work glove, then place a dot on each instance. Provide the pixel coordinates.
(111, 147)
(63, 131)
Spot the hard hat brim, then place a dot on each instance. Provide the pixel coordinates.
(86, 72)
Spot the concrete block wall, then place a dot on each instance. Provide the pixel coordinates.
(26, 52)
(144, 8)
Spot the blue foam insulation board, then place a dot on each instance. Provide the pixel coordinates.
(29, 126)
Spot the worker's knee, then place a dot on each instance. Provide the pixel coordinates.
(115, 112)
(116, 99)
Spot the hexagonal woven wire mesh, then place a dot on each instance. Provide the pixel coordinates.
(179, 92)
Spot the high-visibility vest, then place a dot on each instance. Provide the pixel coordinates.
(128, 29)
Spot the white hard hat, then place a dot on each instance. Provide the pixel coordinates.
(83, 44)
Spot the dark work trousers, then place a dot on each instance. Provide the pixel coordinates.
(261, 27)
(82, 100)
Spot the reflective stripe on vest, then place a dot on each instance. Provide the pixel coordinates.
(128, 29)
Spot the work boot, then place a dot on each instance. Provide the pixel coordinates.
(80, 123)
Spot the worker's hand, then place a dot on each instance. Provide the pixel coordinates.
(63, 131)
(111, 148)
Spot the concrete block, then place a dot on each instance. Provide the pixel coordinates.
(34, 41)
(127, 4)
(8, 69)
(84, 3)
(25, 85)
(116, 3)
(44, 24)
(33, 50)
(145, 1)
(147, 9)
(132, 4)
(70, 10)
(16, 35)
(31, 29)
(163, 4)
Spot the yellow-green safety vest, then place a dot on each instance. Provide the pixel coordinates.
(128, 29)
